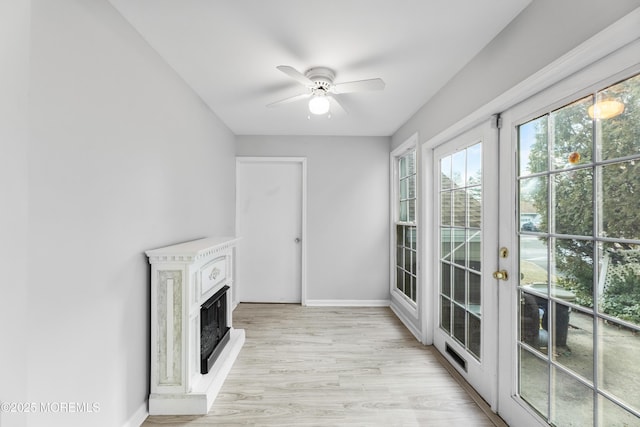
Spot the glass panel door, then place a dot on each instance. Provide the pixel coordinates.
(460, 239)
(578, 241)
(466, 215)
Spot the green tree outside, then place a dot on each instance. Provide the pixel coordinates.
(566, 143)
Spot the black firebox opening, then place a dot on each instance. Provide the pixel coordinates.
(214, 331)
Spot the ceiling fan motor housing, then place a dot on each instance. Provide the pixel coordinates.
(322, 77)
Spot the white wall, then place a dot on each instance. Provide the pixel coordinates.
(348, 211)
(123, 157)
(14, 81)
(542, 33)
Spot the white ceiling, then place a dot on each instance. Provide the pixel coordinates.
(227, 52)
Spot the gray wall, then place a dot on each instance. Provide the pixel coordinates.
(348, 211)
(121, 157)
(14, 74)
(542, 33)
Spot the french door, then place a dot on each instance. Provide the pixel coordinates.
(465, 212)
(537, 280)
(569, 343)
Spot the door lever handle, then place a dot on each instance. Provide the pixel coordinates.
(500, 275)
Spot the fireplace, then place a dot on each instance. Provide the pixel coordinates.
(193, 341)
(214, 331)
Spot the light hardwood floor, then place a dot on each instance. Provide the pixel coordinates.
(319, 366)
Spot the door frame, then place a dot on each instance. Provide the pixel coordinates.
(303, 244)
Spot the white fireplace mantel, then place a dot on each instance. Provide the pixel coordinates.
(184, 276)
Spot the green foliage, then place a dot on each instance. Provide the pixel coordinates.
(558, 136)
(622, 295)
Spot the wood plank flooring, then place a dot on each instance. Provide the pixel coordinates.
(326, 366)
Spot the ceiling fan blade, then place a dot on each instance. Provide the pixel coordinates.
(334, 102)
(295, 74)
(288, 100)
(359, 86)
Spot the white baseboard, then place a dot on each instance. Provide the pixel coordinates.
(138, 417)
(406, 321)
(347, 303)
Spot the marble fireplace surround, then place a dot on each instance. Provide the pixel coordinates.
(183, 277)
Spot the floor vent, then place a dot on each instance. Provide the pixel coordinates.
(456, 357)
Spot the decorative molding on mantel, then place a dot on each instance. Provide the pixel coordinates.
(192, 251)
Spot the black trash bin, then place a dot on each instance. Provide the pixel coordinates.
(539, 291)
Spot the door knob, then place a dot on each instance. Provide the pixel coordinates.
(297, 240)
(500, 275)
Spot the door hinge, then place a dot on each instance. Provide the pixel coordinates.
(496, 121)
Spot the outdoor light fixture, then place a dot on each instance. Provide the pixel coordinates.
(319, 104)
(606, 109)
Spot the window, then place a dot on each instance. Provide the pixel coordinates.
(406, 244)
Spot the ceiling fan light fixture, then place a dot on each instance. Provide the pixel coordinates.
(319, 105)
(319, 85)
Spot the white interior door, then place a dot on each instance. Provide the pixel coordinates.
(269, 212)
(465, 212)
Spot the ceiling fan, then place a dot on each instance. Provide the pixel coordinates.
(321, 90)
